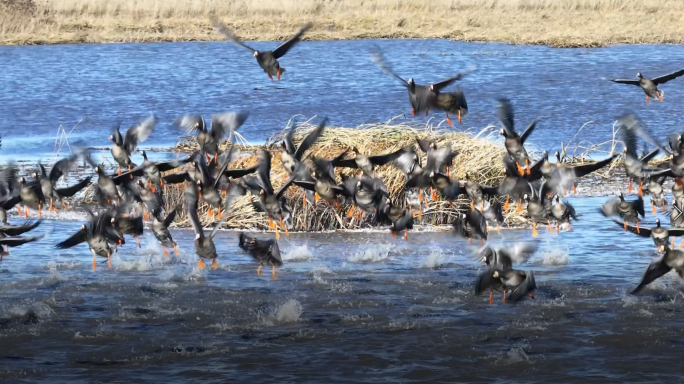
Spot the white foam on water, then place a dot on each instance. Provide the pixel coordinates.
(69, 264)
(435, 259)
(445, 300)
(322, 270)
(646, 313)
(298, 253)
(220, 327)
(289, 312)
(555, 257)
(516, 355)
(40, 309)
(372, 253)
(180, 274)
(629, 300)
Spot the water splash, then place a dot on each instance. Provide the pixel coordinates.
(555, 257)
(289, 312)
(298, 253)
(373, 253)
(435, 259)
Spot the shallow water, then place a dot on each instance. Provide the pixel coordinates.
(347, 307)
(48, 86)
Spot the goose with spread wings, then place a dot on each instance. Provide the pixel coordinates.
(267, 60)
(514, 143)
(123, 147)
(423, 97)
(98, 233)
(48, 182)
(650, 86)
(270, 201)
(221, 124)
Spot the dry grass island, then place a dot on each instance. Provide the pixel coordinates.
(558, 23)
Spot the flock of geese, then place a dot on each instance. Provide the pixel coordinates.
(133, 194)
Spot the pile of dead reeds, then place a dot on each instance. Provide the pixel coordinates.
(478, 155)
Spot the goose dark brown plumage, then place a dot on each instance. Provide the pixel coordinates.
(263, 251)
(267, 60)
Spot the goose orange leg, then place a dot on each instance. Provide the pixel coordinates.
(274, 276)
(137, 241)
(94, 266)
(491, 296)
(534, 229)
(413, 111)
(270, 77)
(278, 75)
(50, 210)
(653, 208)
(519, 209)
(166, 253)
(548, 226)
(448, 119)
(641, 188)
(506, 204)
(629, 187)
(660, 96)
(647, 100)
(175, 250)
(405, 234)
(459, 117)
(527, 166)
(200, 264)
(26, 211)
(519, 168)
(259, 270)
(214, 264)
(504, 296)
(109, 261)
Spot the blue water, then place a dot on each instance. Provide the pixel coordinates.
(106, 84)
(347, 306)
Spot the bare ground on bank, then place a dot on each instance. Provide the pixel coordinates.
(557, 23)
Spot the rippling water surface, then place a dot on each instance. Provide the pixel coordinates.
(347, 307)
(44, 87)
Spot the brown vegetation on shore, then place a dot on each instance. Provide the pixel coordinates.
(560, 23)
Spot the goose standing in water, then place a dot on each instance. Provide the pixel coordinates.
(263, 251)
(204, 245)
(97, 234)
(32, 196)
(518, 283)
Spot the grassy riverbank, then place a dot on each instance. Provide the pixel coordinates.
(562, 23)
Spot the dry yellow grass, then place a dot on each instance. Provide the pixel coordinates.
(562, 23)
(479, 156)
